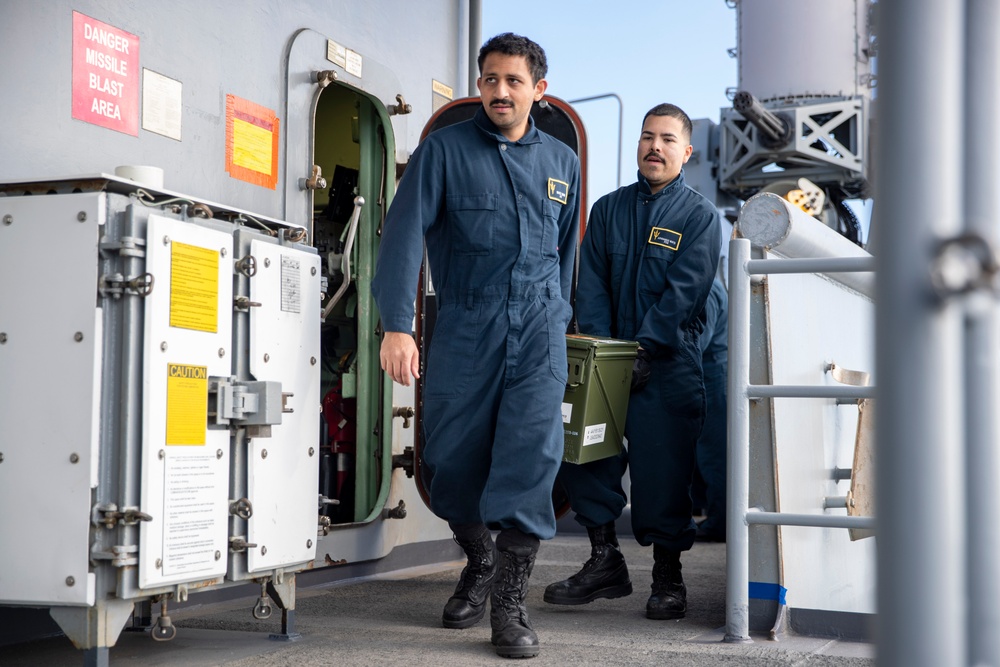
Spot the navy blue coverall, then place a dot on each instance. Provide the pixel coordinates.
(500, 220)
(646, 267)
(711, 449)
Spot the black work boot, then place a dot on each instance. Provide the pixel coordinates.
(512, 634)
(669, 598)
(468, 604)
(605, 575)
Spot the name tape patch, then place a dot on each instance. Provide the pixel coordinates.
(558, 190)
(667, 238)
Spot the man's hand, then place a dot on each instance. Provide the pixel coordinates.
(400, 357)
(640, 369)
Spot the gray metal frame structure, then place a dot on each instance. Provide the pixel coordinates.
(740, 392)
(937, 335)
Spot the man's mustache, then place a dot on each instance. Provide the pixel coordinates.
(506, 102)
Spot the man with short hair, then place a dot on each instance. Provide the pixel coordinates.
(646, 267)
(497, 202)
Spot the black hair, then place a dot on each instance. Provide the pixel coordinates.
(674, 112)
(510, 44)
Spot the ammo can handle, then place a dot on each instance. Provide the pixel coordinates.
(589, 360)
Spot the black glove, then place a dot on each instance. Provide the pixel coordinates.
(640, 369)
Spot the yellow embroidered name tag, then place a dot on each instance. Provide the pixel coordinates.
(558, 190)
(667, 238)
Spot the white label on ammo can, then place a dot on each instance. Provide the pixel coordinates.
(567, 412)
(593, 435)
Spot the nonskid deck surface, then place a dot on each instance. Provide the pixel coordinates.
(396, 620)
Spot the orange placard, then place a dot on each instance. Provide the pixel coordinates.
(251, 142)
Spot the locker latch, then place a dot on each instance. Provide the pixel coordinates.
(109, 516)
(239, 403)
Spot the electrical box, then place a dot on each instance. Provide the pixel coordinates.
(596, 399)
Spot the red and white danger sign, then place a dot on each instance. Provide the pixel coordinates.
(105, 75)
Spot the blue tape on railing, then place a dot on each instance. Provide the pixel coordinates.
(761, 591)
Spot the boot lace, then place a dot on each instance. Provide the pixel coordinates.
(597, 555)
(511, 586)
(478, 566)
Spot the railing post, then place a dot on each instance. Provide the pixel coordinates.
(738, 447)
(982, 359)
(920, 476)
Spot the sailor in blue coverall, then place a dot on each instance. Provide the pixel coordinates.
(646, 267)
(497, 202)
(711, 449)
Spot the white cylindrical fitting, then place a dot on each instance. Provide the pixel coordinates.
(772, 223)
(148, 176)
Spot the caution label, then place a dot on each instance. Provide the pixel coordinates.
(194, 287)
(187, 404)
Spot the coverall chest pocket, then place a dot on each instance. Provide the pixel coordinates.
(618, 255)
(472, 219)
(550, 230)
(653, 278)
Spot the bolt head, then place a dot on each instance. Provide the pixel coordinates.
(70, 581)
(74, 458)
(82, 216)
(78, 336)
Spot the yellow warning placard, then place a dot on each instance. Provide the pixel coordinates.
(251, 146)
(194, 287)
(187, 404)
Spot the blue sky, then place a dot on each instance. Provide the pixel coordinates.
(645, 51)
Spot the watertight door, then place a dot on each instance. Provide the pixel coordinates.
(551, 115)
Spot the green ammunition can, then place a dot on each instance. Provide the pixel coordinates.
(596, 399)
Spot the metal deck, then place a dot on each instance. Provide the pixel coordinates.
(394, 619)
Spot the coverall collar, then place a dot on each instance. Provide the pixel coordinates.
(673, 186)
(484, 123)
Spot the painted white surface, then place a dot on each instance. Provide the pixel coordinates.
(48, 410)
(187, 548)
(285, 330)
(814, 322)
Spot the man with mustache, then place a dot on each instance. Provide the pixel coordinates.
(647, 262)
(497, 202)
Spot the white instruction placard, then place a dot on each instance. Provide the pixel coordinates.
(190, 520)
(594, 435)
(567, 412)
